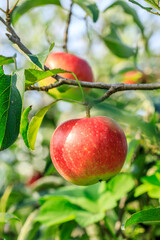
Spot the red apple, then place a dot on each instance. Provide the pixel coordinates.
(129, 82)
(133, 77)
(68, 62)
(34, 178)
(85, 151)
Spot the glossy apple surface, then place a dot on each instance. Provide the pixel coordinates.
(68, 62)
(85, 151)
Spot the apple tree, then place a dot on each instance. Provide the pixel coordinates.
(79, 82)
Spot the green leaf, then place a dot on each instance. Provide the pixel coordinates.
(29, 4)
(116, 46)
(24, 125)
(34, 59)
(153, 179)
(89, 7)
(130, 11)
(142, 189)
(6, 217)
(86, 218)
(59, 210)
(35, 125)
(38, 60)
(153, 3)
(10, 111)
(118, 186)
(33, 76)
(93, 198)
(5, 93)
(6, 60)
(151, 185)
(42, 56)
(154, 192)
(19, 79)
(131, 149)
(146, 216)
(84, 197)
(145, 8)
(107, 201)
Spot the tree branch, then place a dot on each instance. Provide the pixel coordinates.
(13, 37)
(116, 87)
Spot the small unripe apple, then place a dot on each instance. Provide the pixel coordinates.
(68, 62)
(85, 151)
(133, 77)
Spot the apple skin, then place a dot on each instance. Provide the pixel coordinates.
(85, 151)
(68, 62)
(133, 77)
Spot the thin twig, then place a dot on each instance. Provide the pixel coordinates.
(7, 6)
(11, 10)
(65, 46)
(111, 90)
(3, 10)
(11, 30)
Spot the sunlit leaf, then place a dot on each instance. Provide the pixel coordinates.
(59, 210)
(33, 76)
(146, 216)
(24, 125)
(35, 125)
(6, 60)
(118, 187)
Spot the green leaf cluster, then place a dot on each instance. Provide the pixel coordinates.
(85, 205)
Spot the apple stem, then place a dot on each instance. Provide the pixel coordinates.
(88, 108)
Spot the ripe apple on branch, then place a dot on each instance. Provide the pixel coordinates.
(67, 62)
(88, 150)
